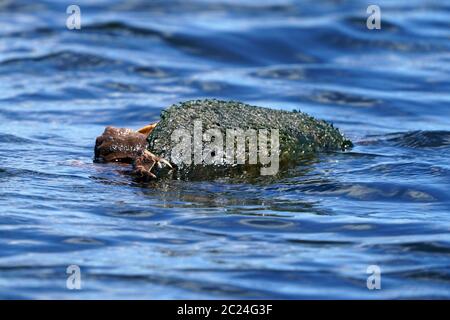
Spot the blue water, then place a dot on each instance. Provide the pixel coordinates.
(309, 234)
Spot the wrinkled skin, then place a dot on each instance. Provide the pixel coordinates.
(119, 145)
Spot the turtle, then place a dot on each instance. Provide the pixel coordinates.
(150, 149)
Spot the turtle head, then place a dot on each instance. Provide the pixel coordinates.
(119, 145)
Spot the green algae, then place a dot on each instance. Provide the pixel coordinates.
(300, 135)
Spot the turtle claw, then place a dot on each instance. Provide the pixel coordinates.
(143, 173)
(147, 129)
(144, 164)
(167, 163)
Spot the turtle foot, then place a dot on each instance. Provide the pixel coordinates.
(144, 164)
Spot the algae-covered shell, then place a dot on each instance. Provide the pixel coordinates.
(299, 134)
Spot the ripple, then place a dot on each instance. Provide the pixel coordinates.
(13, 139)
(266, 223)
(119, 27)
(319, 243)
(154, 72)
(83, 241)
(432, 247)
(285, 73)
(406, 169)
(63, 61)
(364, 191)
(341, 98)
(420, 139)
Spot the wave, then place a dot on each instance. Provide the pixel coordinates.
(10, 138)
(370, 191)
(414, 139)
(64, 60)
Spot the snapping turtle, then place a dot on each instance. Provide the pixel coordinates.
(151, 148)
